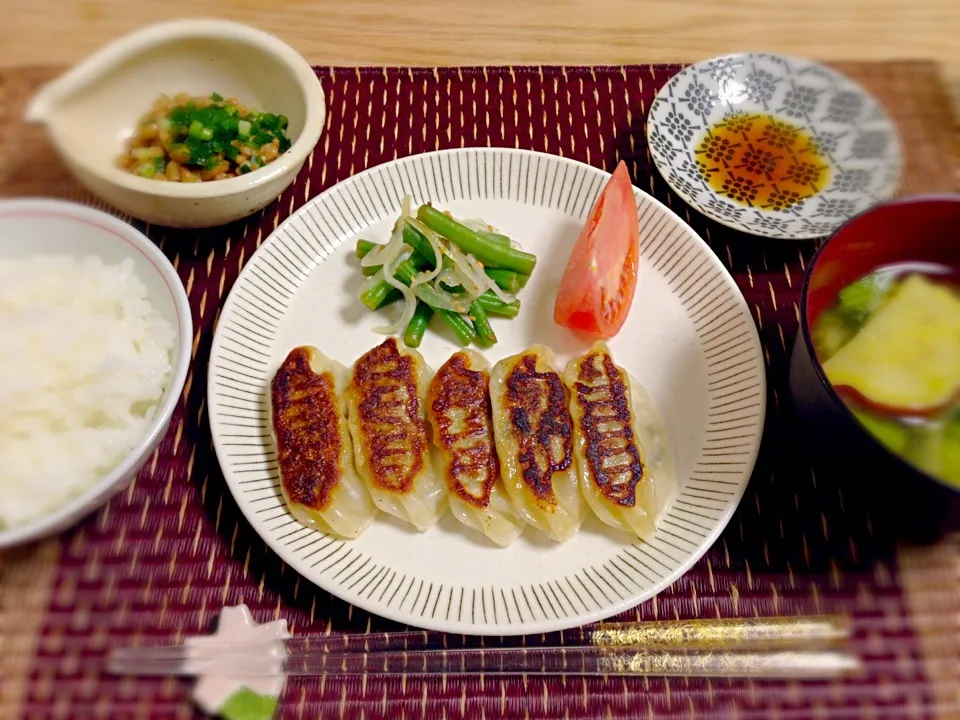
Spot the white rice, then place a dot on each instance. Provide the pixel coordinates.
(84, 361)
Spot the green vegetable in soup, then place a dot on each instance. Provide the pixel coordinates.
(830, 333)
(906, 355)
(890, 432)
(950, 451)
(932, 445)
(890, 344)
(858, 300)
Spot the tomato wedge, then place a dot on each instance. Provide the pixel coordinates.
(597, 288)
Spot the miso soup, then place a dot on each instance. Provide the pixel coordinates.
(890, 345)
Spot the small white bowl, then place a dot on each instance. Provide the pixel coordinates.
(92, 109)
(33, 227)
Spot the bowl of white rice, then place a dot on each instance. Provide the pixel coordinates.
(95, 336)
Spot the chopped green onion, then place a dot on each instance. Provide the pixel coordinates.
(147, 170)
(207, 135)
(229, 125)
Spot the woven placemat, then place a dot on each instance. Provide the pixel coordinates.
(163, 557)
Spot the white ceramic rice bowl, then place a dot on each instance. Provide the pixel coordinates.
(30, 227)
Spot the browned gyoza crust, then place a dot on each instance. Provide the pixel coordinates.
(307, 429)
(471, 449)
(393, 434)
(539, 420)
(604, 396)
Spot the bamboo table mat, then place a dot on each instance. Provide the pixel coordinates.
(163, 557)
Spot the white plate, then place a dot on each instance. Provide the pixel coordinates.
(689, 339)
(843, 120)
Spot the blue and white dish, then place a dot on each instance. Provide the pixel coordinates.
(847, 126)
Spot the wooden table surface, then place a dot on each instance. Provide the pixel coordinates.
(447, 32)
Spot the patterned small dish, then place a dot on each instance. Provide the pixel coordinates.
(773, 145)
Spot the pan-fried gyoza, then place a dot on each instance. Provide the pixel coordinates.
(385, 400)
(625, 471)
(314, 452)
(535, 442)
(519, 445)
(458, 405)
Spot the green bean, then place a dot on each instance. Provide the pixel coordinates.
(485, 335)
(364, 247)
(405, 273)
(418, 241)
(418, 324)
(390, 297)
(498, 239)
(424, 258)
(480, 246)
(413, 237)
(423, 253)
(433, 297)
(495, 306)
(507, 279)
(460, 326)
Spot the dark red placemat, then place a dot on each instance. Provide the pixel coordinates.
(162, 558)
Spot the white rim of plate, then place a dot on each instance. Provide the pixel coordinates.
(664, 166)
(703, 285)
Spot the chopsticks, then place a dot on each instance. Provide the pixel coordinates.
(778, 647)
(528, 661)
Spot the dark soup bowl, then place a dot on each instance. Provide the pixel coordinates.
(875, 370)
